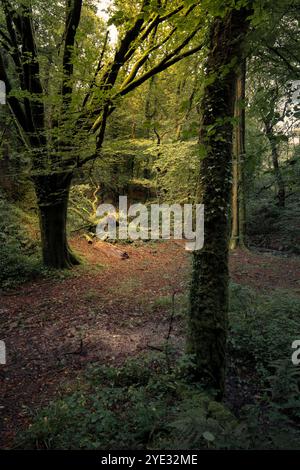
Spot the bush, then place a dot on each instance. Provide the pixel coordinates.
(19, 260)
(140, 406)
(262, 328)
(272, 227)
(132, 407)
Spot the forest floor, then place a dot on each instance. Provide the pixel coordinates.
(115, 305)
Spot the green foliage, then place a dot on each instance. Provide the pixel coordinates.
(17, 268)
(200, 423)
(175, 171)
(262, 328)
(271, 227)
(276, 414)
(140, 395)
(18, 254)
(125, 169)
(123, 162)
(83, 204)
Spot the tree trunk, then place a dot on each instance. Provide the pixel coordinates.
(278, 176)
(149, 112)
(208, 312)
(238, 210)
(52, 194)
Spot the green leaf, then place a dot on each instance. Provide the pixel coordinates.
(208, 436)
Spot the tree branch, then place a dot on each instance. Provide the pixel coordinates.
(140, 62)
(13, 102)
(98, 68)
(293, 69)
(71, 26)
(160, 67)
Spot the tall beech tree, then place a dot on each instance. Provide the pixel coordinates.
(63, 140)
(209, 286)
(51, 184)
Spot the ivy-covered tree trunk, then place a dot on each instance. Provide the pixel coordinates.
(238, 209)
(208, 313)
(52, 194)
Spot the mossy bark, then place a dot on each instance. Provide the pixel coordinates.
(52, 194)
(208, 314)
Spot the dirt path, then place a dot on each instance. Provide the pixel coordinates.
(54, 328)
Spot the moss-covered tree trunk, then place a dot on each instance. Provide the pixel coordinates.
(52, 194)
(238, 209)
(209, 286)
